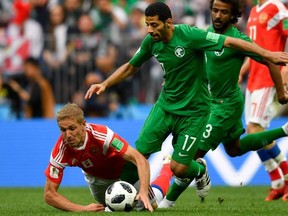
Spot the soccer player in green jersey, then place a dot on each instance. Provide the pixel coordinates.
(224, 124)
(183, 106)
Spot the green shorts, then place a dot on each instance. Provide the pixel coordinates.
(224, 124)
(186, 130)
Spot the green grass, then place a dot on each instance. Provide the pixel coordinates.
(244, 201)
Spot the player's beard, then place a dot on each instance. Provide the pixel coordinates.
(220, 26)
(155, 37)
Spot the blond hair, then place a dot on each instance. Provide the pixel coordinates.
(71, 111)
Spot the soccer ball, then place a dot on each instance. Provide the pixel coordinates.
(120, 196)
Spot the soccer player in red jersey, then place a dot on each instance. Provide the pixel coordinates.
(268, 27)
(101, 154)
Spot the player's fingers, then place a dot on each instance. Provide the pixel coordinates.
(88, 94)
(149, 206)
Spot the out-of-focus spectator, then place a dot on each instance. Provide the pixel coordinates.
(37, 95)
(110, 19)
(6, 11)
(90, 51)
(97, 106)
(55, 53)
(9, 98)
(40, 11)
(135, 89)
(24, 38)
(73, 10)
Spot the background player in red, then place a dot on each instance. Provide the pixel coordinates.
(268, 27)
(99, 152)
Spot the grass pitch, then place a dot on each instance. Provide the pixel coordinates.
(221, 201)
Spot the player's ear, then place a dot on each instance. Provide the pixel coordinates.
(168, 23)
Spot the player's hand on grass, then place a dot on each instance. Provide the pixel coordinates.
(146, 202)
(95, 88)
(94, 207)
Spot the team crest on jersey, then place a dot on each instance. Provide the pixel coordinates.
(263, 18)
(93, 150)
(179, 51)
(54, 172)
(217, 53)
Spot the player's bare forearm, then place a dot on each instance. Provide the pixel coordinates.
(278, 82)
(143, 168)
(53, 198)
(280, 58)
(123, 72)
(284, 73)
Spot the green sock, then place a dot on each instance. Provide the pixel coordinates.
(179, 185)
(130, 173)
(176, 189)
(195, 169)
(256, 141)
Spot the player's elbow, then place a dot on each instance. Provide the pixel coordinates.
(48, 197)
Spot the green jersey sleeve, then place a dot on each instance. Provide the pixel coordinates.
(143, 53)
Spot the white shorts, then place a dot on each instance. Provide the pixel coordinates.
(261, 106)
(98, 186)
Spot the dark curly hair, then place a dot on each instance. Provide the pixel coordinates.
(236, 12)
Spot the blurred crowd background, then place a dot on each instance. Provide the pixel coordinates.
(51, 51)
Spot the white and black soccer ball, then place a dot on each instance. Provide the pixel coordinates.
(120, 196)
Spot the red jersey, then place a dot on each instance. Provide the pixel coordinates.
(100, 156)
(267, 26)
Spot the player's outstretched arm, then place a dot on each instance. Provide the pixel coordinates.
(277, 79)
(284, 73)
(143, 168)
(279, 58)
(53, 198)
(118, 76)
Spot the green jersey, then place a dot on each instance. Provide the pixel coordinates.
(223, 67)
(183, 63)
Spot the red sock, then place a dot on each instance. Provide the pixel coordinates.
(284, 167)
(162, 181)
(276, 178)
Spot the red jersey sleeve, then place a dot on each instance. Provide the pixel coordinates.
(54, 171)
(119, 144)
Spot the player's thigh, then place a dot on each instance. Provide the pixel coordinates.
(154, 131)
(261, 106)
(224, 125)
(98, 186)
(186, 137)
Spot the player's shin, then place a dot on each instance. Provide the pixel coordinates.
(256, 141)
(175, 190)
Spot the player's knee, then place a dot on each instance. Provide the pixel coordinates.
(233, 149)
(233, 152)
